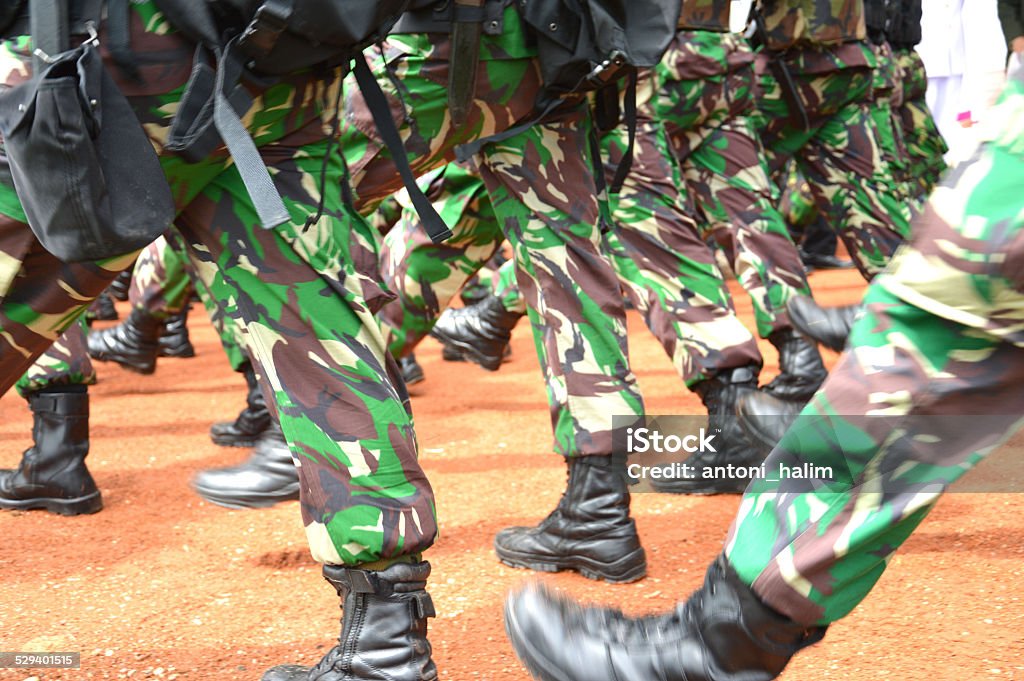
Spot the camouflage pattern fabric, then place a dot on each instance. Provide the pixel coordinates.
(306, 296)
(840, 157)
(425, 276)
(705, 15)
(668, 271)
(160, 283)
(223, 319)
(704, 98)
(660, 258)
(797, 205)
(937, 359)
(66, 362)
(505, 288)
(924, 143)
(888, 96)
(817, 23)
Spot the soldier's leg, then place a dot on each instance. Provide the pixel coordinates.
(674, 281)
(888, 94)
(481, 332)
(726, 175)
(426, 276)
(925, 146)
(158, 293)
(669, 272)
(52, 474)
(840, 159)
(505, 288)
(40, 296)
(549, 212)
(940, 358)
(335, 389)
(550, 215)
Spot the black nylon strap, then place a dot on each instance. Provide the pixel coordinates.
(629, 117)
(378, 105)
(264, 195)
(118, 37)
(48, 21)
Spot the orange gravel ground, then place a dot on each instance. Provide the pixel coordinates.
(163, 585)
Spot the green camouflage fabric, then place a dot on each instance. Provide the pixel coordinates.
(221, 317)
(705, 15)
(160, 282)
(840, 157)
(663, 264)
(897, 196)
(797, 205)
(66, 362)
(505, 288)
(659, 256)
(306, 296)
(929, 385)
(425, 276)
(668, 271)
(925, 146)
(704, 98)
(812, 23)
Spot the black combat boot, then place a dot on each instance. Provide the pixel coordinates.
(481, 331)
(119, 287)
(102, 309)
(174, 340)
(383, 628)
(829, 326)
(264, 479)
(590, 530)
(52, 474)
(730, 446)
(801, 371)
(722, 633)
(765, 419)
(133, 343)
(251, 421)
(412, 372)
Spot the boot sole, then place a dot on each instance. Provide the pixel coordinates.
(144, 370)
(629, 568)
(179, 354)
(234, 442)
(290, 493)
(469, 353)
(90, 503)
(539, 666)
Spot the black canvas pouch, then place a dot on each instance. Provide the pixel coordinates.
(85, 172)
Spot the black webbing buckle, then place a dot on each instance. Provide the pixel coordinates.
(262, 33)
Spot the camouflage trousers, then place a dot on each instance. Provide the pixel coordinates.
(929, 385)
(839, 156)
(425, 276)
(888, 95)
(924, 144)
(160, 282)
(66, 362)
(163, 281)
(505, 289)
(306, 295)
(663, 264)
(659, 258)
(705, 99)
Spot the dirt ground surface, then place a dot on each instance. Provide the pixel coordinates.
(163, 585)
